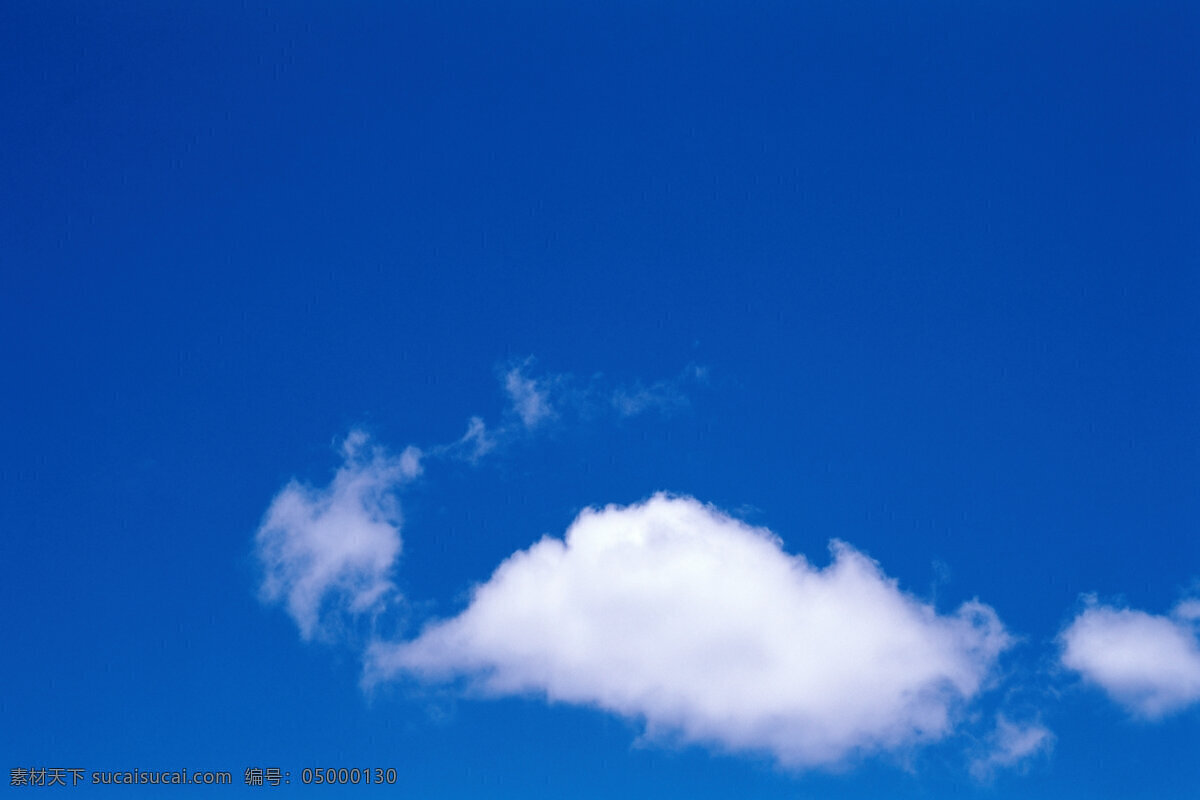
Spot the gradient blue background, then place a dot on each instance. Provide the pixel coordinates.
(940, 260)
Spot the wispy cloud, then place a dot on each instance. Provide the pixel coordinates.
(664, 396)
(1011, 745)
(538, 400)
(1148, 663)
(473, 445)
(529, 397)
(674, 613)
(328, 552)
(535, 399)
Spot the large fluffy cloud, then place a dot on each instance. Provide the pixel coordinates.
(705, 628)
(328, 551)
(1148, 663)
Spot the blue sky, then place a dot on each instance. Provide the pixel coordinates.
(313, 318)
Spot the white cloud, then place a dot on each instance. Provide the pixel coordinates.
(673, 613)
(1010, 745)
(477, 442)
(341, 541)
(664, 396)
(1148, 663)
(530, 400)
(536, 400)
(1188, 610)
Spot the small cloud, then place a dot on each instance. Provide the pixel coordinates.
(1148, 663)
(410, 462)
(663, 396)
(1188, 611)
(1011, 745)
(536, 400)
(477, 442)
(703, 627)
(530, 398)
(329, 551)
